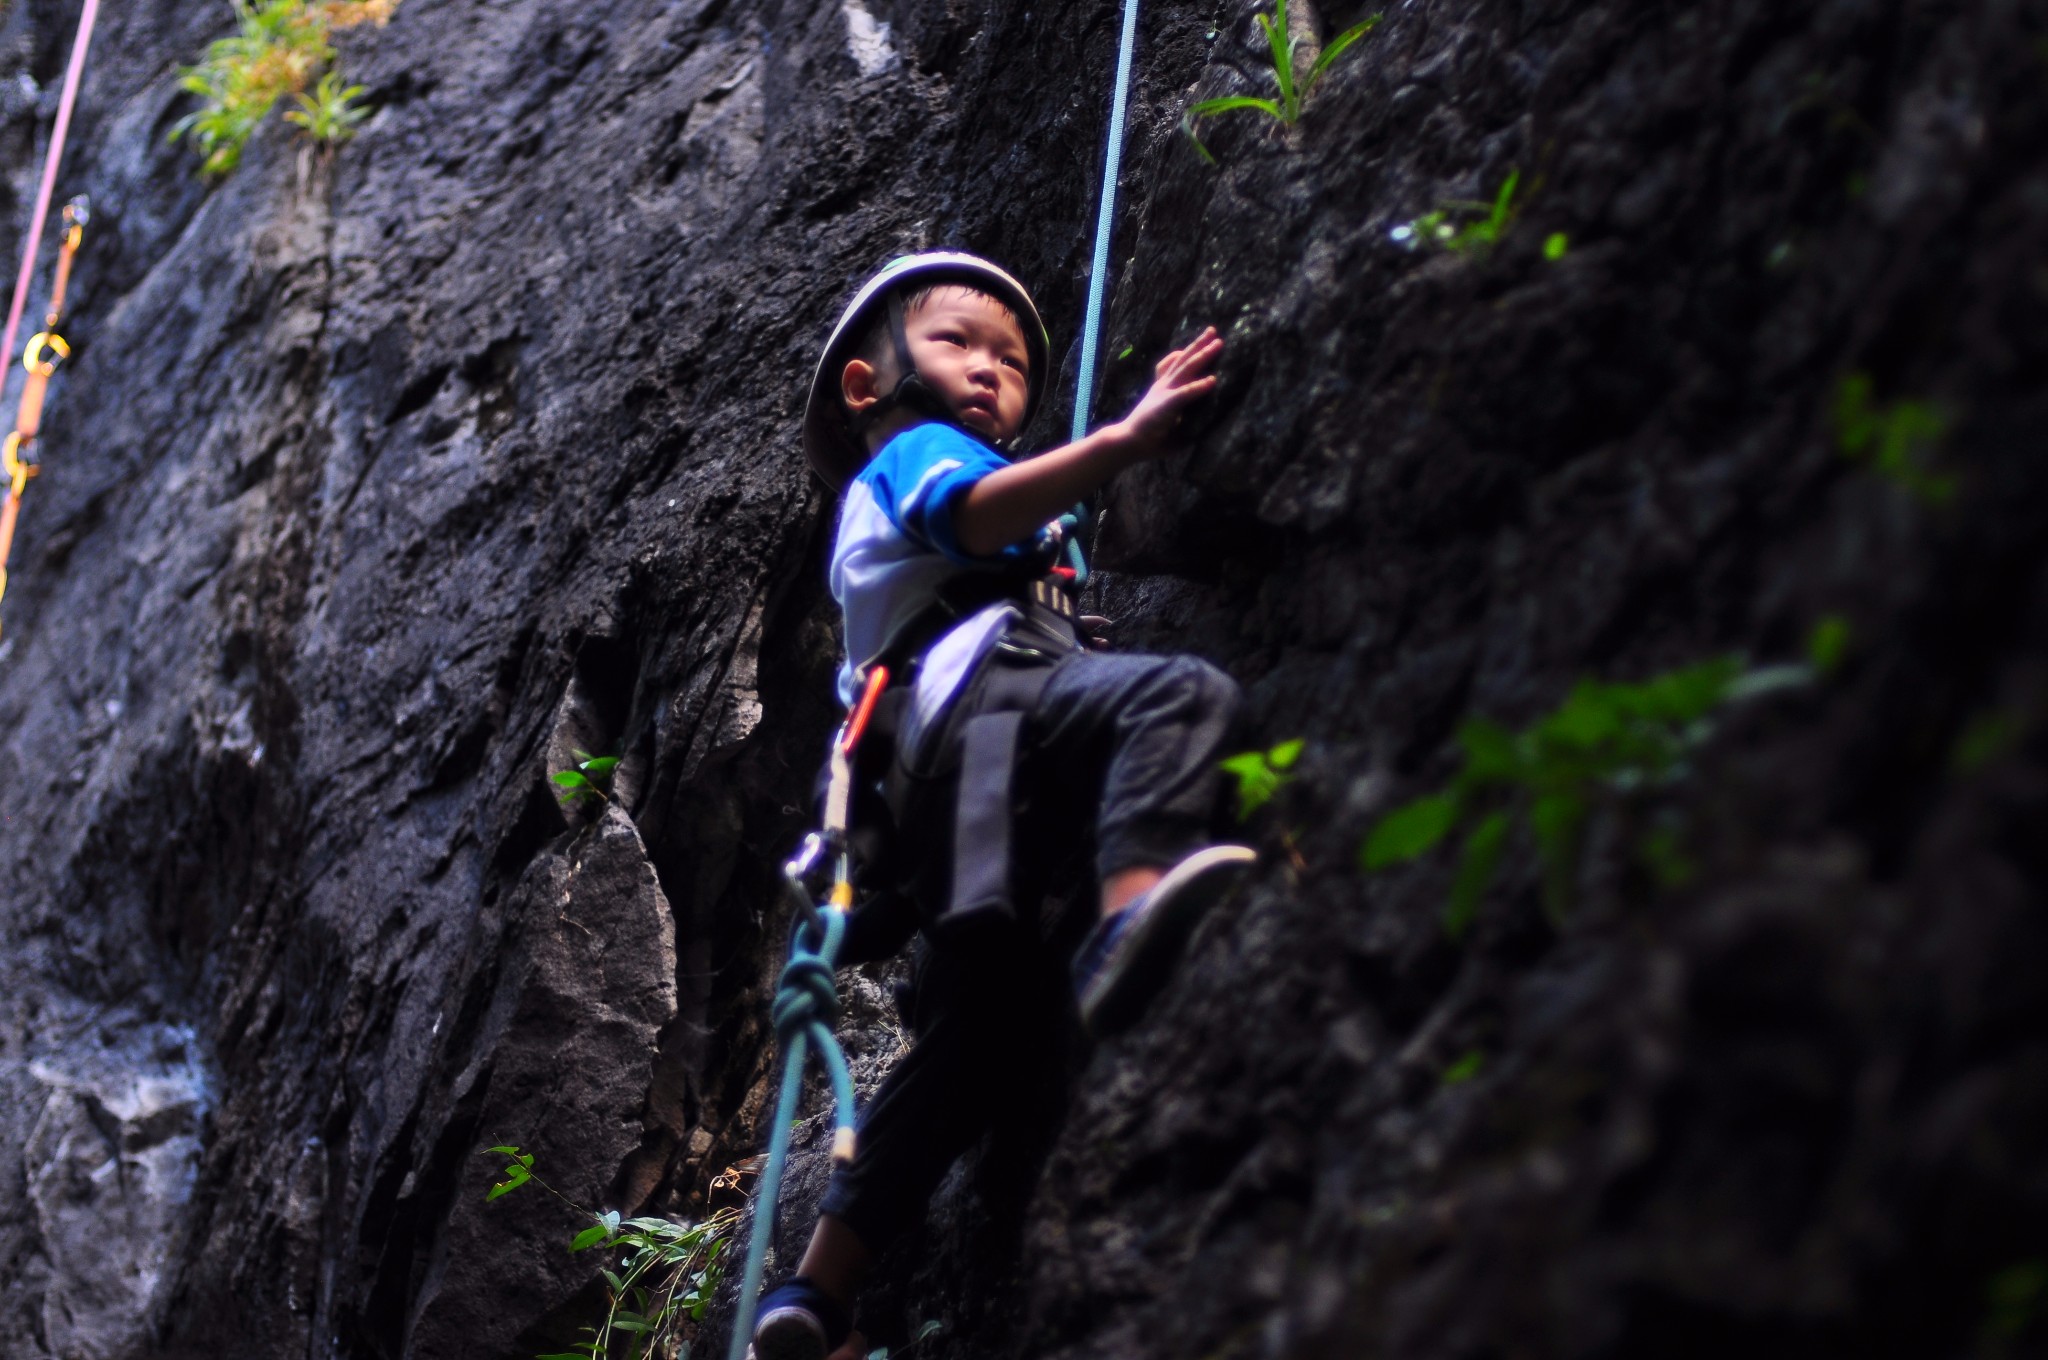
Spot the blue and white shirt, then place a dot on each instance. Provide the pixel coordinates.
(896, 548)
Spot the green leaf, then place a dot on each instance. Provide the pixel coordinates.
(569, 779)
(1477, 862)
(1555, 245)
(1206, 107)
(1256, 782)
(1411, 831)
(1283, 756)
(1986, 738)
(1336, 48)
(515, 1176)
(589, 1237)
(931, 1327)
(1491, 754)
(1557, 818)
(618, 1285)
(600, 767)
(1282, 45)
(1465, 1068)
(507, 1149)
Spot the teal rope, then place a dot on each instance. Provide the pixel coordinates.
(1105, 216)
(805, 1006)
(1098, 271)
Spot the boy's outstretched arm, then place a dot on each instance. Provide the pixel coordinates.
(1017, 501)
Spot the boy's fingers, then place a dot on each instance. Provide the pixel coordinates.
(1202, 353)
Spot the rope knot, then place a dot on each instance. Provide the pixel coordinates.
(804, 995)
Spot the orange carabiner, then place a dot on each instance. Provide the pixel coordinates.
(878, 680)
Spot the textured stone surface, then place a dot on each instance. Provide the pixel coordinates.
(384, 481)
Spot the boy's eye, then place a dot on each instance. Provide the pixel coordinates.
(1017, 364)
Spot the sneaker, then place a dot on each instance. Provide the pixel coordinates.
(1127, 958)
(798, 1321)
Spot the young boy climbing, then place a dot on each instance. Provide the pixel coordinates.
(1016, 748)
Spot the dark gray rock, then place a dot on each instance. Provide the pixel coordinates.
(384, 480)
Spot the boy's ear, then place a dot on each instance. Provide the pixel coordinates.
(860, 385)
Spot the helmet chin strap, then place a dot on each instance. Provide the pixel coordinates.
(912, 392)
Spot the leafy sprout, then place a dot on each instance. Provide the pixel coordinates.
(1827, 646)
(1465, 1068)
(329, 114)
(1259, 775)
(277, 48)
(1605, 739)
(1898, 441)
(517, 1174)
(1293, 88)
(592, 778)
(1440, 229)
(666, 1273)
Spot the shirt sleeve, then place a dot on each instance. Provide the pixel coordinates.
(919, 480)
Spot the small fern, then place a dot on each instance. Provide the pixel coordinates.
(1293, 87)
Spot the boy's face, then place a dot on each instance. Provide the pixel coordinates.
(970, 351)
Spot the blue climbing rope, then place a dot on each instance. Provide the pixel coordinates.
(1098, 273)
(805, 1007)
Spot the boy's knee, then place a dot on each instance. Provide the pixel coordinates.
(1213, 692)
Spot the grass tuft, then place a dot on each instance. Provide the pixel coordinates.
(276, 51)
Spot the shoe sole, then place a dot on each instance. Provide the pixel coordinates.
(788, 1334)
(1133, 975)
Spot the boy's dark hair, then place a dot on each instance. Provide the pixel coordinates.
(879, 349)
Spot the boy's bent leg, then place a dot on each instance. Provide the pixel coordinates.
(1149, 732)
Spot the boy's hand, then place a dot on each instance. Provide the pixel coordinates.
(1181, 378)
(1010, 504)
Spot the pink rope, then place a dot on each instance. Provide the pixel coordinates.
(35, 230)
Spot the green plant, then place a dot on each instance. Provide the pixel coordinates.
(275, 51)
(1605, 739)
(1555, 246)
(592, 778)
(1985, 739)
(329, 114)
(1439, 229)
(1259, 775)
(666, 1277)
(1827, 646)
(1293, 88)
(1465, 1068)
(1898, 441)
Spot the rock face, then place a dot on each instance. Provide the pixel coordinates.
(386, 479)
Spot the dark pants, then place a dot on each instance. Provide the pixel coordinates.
(1121, 754)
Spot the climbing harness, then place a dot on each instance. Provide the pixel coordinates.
(805, 1002)
(46, 349)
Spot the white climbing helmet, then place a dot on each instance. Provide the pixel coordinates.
(831, 443)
